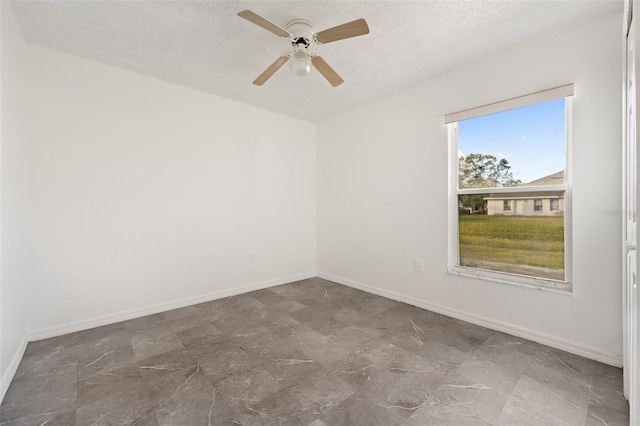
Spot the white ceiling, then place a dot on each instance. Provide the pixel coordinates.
(204, 45)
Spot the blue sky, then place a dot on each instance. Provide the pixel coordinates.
(531, 138)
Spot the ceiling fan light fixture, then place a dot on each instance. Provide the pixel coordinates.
(301, 63)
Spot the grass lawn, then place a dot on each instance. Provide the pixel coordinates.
(523, 240)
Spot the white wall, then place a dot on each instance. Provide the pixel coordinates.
(13, 198)
(146, 195)
(382, 193)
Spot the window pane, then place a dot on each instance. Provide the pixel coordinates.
(514, 241)
(524, 146)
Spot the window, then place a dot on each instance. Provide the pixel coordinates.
(510, 158)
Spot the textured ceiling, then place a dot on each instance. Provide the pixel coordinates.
(204, 45)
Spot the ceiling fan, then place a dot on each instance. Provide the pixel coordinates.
(301, 34)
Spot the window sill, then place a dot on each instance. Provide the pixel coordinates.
(557, 287)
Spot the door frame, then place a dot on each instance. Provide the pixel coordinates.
(629, 251)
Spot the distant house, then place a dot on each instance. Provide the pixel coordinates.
(543, 203)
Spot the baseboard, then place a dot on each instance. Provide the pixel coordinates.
(7, 377)
(553, 341)
(71, 327)
(525, 333)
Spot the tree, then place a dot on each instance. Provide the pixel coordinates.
(483, 171)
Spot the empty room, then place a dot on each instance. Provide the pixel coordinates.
(318, 213)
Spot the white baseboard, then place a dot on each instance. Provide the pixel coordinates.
(557, 342)
(71, 327)
(7, 377)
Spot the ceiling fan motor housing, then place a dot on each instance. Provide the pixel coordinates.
(301, 31)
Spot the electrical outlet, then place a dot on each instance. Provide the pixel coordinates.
(251, 256)
(419, 265)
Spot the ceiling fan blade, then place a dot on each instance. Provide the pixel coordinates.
(327, 72)
(350, 29)
(263, 22)
(266, 74)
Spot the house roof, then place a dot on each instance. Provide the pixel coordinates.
(552, 179)
(556, 178)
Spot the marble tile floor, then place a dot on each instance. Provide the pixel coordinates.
(307, 353)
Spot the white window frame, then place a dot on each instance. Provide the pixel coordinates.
(451, 120)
